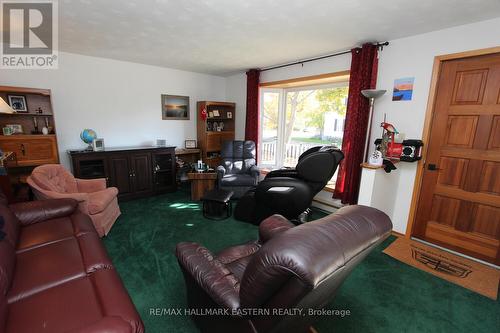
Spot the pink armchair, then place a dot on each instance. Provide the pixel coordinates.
(52, 181)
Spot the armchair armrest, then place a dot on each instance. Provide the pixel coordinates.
(221, 171)
(209, 273)
(272, 226)
(39, 211)
(91, 185)
(254, 171)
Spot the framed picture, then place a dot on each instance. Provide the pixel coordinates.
(174, 107)
(190, 143)
(216, 113)
(18, 103)
(98, 144)
(210, 114)
(229, 115)
(403, 89)
(7, 131)
(15, 128)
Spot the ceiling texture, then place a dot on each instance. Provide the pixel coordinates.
(222, 37)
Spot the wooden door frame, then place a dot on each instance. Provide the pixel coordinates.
(436, 70)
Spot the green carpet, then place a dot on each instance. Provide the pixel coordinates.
(382, 294)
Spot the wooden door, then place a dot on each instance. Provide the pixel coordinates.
(120, 175)
(459, 203)
(141, 172)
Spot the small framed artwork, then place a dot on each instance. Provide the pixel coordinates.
(229, 115)
(190, 144)
(403, 89)
(7, 131)
(216, 113)
(174, 107)
(98, 144)
(15, 128)
(18, 103)
(210, 114)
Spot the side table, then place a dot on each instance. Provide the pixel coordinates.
(201, 182)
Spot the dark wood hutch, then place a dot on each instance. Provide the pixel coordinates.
(135, 171)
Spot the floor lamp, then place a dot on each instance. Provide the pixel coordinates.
(371, 94)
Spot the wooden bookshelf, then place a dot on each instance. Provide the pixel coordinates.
(31, 147)
(219, 126)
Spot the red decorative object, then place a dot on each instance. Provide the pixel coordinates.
(204, 114)
(363, 75)
(252, 116)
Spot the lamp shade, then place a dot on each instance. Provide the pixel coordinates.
(373, 93)
(4, 107)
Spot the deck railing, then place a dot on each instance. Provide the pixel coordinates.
(292, 153)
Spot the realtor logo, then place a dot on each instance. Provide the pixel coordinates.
(29, 34)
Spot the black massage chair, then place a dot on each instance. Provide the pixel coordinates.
(290, 192)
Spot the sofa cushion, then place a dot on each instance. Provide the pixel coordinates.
(238, 180)
(100, 200)
(47, 266)
(63, 308)
(76, 305)
(50, 231)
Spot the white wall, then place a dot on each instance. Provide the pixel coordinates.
(236, 91)
(119, 100)
(405, 57)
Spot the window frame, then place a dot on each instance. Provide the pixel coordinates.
(280, 144)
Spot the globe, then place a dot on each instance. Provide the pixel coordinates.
(88, 135)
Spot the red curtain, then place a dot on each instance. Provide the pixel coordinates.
(252, 116)
(363, 75)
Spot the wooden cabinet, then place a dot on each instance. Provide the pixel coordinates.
(136, 172)
(215, 129)
(30, 146)
(31, 150)
(119, 173)
(141, 172)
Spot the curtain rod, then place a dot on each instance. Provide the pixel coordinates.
(302, 62)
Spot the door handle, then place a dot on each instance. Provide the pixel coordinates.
(23, 149)
(432, 167)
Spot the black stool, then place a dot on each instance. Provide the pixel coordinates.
(216, 203)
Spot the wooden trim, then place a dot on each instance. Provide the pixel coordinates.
(305, 78)
(397, 234)
(22, 90)
(210, 103)
(468, 54)
(329, 188)
(326, 203)
(436, 69)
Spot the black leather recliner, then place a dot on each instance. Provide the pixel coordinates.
(290, 192)
(238, 172)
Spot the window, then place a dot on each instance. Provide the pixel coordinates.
(296, 119)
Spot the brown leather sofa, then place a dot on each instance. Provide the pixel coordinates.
(55, 275)
(246, 286)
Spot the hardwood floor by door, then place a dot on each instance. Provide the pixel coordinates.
(459, 203)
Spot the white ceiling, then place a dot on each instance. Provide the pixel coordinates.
(225, 36)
